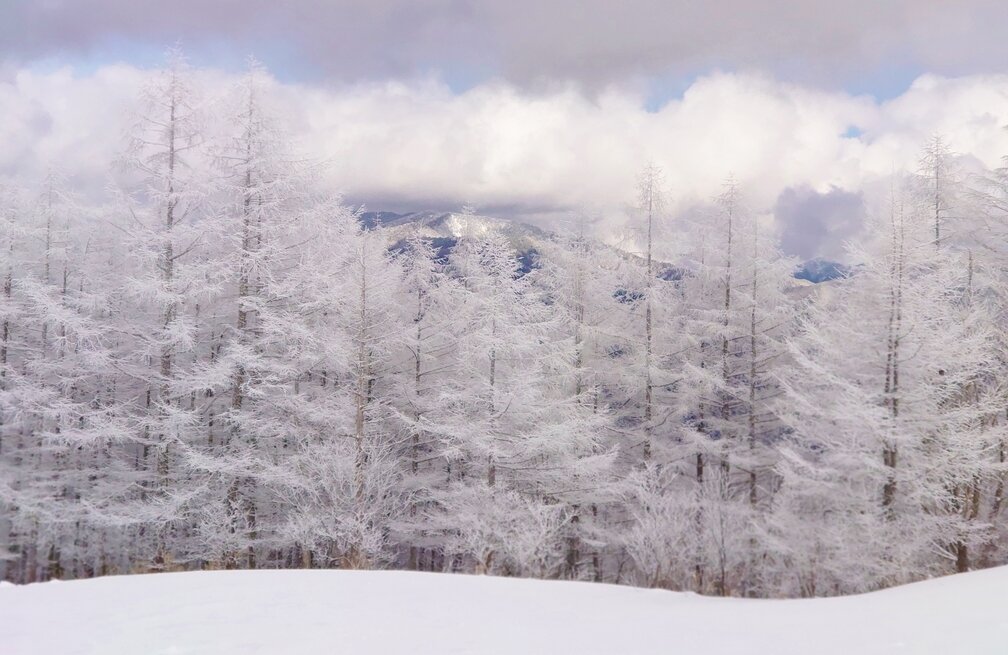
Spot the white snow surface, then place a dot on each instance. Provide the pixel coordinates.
(313, 611)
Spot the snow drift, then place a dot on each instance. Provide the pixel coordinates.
(313, 611)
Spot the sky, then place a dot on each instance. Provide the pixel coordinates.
(536, 109)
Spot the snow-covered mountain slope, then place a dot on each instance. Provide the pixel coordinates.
(444, 229)
(453, 225)
(312, 611)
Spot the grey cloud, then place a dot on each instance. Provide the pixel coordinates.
(529, 41)
(351, 40)
(815, 224)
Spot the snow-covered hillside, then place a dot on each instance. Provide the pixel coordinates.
(445, 228)
(312, 611)
(453, 225)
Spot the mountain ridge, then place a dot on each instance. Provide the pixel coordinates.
(444, 229)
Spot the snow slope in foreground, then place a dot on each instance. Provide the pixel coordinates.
(356, 612)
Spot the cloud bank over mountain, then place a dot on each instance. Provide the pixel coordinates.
(802, 154)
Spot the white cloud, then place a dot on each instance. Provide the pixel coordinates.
(420, 144)
(59, 119)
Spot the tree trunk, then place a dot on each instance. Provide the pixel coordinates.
(891, 388)
(648, 331)
(726, 322)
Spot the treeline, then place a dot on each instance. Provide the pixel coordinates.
(219, 368)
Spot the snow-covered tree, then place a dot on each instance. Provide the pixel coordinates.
(880, 447)
(736, 313)
(166, 286)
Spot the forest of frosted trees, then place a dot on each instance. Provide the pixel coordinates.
(218, 367)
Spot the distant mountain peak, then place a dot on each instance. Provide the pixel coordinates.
(434, 224)
(445, 228)
(818, 270)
